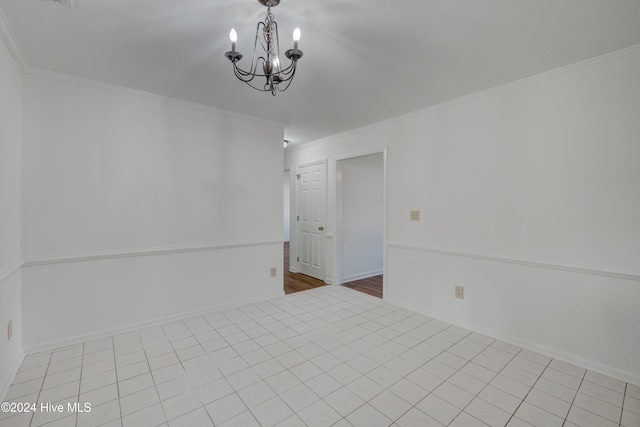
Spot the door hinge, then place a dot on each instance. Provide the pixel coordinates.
(298, 218)
(297, 259)
(297, 176)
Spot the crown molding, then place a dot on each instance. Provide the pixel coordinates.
(447, 104)
(43, 72)
(12, 44)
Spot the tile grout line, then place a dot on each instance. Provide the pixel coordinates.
(155, 388)
(598, 399)
(297, 334)
(155, 385)
(412, 406)
(205, 352)
(531, 388)
(420, 367)
(566, 418)
(310, 359)
(624, 398)
(370, 332)
(487, 384)
(250, 366)
(42, 385)
(456, 370)
(80, 379)
(115, 370)
(228, 345)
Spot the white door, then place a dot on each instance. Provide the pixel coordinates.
(312, 196)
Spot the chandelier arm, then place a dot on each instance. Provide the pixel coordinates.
(285, 74)
(245, 76)
(254, 60)
(288, 75)
(241, 77)
(253, 84)
(289, 71)
(254, 73)
(261, 89)
(287, 83)
(258, 39)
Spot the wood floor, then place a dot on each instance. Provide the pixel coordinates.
(296, 282)
(370, 285)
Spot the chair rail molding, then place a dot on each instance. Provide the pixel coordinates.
(531, 263)
(11, 269)
(95, 256)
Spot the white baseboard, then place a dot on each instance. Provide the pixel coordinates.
(4, 388)
(361, 276)
(547, 351)
(142, 325)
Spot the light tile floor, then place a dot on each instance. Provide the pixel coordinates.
(325, 357)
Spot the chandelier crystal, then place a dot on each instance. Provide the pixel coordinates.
(265, 64)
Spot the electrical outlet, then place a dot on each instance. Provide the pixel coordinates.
(459, 292)
(273, 272)
(414, 215)
(9, 330)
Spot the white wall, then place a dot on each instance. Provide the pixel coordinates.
(362, 213)
(529, 199)
(143, 206)
(10, 247)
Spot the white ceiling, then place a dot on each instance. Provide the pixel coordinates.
(364, 60)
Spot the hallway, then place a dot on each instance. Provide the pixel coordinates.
(296, 282)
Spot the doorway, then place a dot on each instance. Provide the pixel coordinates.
(352, 202)
(360, 203)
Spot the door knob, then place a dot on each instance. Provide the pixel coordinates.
(321, 228)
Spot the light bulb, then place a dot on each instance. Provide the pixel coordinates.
(296, 37)
(233, 36)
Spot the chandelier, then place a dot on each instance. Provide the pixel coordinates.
(266, 56)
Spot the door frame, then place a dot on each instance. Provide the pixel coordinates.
(294, 264)
(338, 259)
(287, 174)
